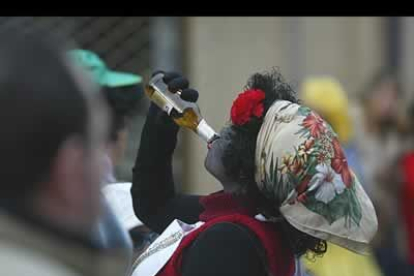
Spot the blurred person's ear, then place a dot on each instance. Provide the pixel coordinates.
(68, 166)
(69, 184)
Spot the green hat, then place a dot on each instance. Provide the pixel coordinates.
(101, 74)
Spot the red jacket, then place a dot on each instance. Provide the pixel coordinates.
(222, 208)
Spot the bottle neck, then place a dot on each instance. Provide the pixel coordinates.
(205, 131)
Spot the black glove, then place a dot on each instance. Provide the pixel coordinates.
(175, 82)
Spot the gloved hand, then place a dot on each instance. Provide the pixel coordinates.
(175, 82)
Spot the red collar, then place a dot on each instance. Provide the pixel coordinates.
(221, 204)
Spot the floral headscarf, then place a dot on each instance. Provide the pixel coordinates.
(301, 166)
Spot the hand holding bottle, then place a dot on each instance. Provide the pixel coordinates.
(175, 82)
(170, 92)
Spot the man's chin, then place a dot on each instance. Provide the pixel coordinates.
(209, 168)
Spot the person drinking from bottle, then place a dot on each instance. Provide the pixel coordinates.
(287, 189)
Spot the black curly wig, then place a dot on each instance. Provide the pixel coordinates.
(123, 103)
(239, 159)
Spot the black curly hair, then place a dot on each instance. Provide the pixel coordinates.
(239, 159)
(123, 103)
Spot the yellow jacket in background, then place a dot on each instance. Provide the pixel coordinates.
(338, 261)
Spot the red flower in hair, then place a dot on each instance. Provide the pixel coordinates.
(339, 163)
(247, 104)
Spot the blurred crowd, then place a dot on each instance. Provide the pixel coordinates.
(79, 123)
(376, 132)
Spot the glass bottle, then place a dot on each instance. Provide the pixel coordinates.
(184, 113)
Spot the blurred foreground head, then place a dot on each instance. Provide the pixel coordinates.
(53, 127)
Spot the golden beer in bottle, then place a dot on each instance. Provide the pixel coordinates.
(184, 113)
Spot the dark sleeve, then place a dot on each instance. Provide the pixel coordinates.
(155, 202)
(224, 249)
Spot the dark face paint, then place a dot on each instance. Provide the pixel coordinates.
(213, 162)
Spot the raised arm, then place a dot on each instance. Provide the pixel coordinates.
(155, 201)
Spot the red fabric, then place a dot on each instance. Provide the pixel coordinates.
(246, 105)
(408, 202)
(221, 207)
(222, 204)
